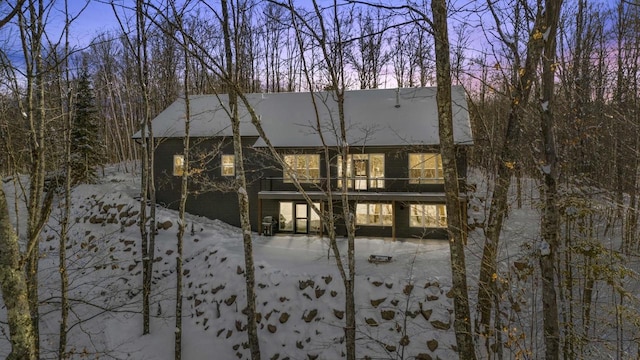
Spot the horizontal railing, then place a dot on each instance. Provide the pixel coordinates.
(356, 184)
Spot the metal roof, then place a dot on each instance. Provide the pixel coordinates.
(376, 117)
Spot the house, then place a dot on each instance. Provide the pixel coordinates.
(394, 169)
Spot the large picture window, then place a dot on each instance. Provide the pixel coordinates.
(363, 171)
(178, 165)
(374, 214)
(228, 165)
(428, 216)
(425, 168)
(305, 167)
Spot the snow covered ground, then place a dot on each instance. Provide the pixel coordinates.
(403, 308)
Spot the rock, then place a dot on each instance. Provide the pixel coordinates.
(377, 302)
(327, 279)
(395, 302)
(390, 348)
(333, 293)
(230, 300)
(239, 270)
(429, 284)
(305, 284)
(371, 322)
(310, 315)
(407, 289)
(239, 326)
(299, 345)
(441, 325)
(432, 344)
(404, 341)
(426, 314)
(339, 314)
(319, 292)
(388, 314)
(377, 283)
(283, 317)
(272, 328)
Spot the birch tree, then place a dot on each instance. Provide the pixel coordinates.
(14, 290)
(232, 73)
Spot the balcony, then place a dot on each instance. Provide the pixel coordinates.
(359, 189)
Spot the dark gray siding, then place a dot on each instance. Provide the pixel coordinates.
(263, 173)
(205, 198)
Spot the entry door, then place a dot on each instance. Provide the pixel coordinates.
(302, 218)
(361, 173)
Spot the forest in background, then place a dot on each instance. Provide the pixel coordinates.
(550, 99)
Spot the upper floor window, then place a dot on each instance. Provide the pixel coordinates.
(425, 168)
(363, 171)
(228, 165)
(374, 214)
(178, 165)
(305, 168)
(428, 216)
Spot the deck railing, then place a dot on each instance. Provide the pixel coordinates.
(355, 184)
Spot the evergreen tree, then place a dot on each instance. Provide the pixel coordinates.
(85, 144)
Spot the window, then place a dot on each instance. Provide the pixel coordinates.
(305, 167)
(285, 218)
(228, 165)
(363, 170)
(178, 165)
(425, 168)
(374, 214)
(428, 216)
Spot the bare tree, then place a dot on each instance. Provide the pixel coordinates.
(367, 55)
(455, 223)
(523, 76)
(550, 226)
(14, 290)
(232, 78)
(147, 222)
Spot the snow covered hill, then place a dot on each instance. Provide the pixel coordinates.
(403, 307)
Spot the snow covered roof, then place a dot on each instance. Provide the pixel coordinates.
(377, 117)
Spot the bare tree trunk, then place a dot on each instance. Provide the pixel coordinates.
(241, 183)
(32, 31)
(184, 193)
(550, 226)
(64, 227)
(462, 322)
(14, 290)
(505, 165)
(148, 198)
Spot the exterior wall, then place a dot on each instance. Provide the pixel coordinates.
(264, 174)
(214, 204)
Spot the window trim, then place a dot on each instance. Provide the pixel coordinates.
(372, 182)
(305, 178)
(422, 179)
(224, 166)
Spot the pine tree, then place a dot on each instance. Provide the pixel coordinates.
(85, 145)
